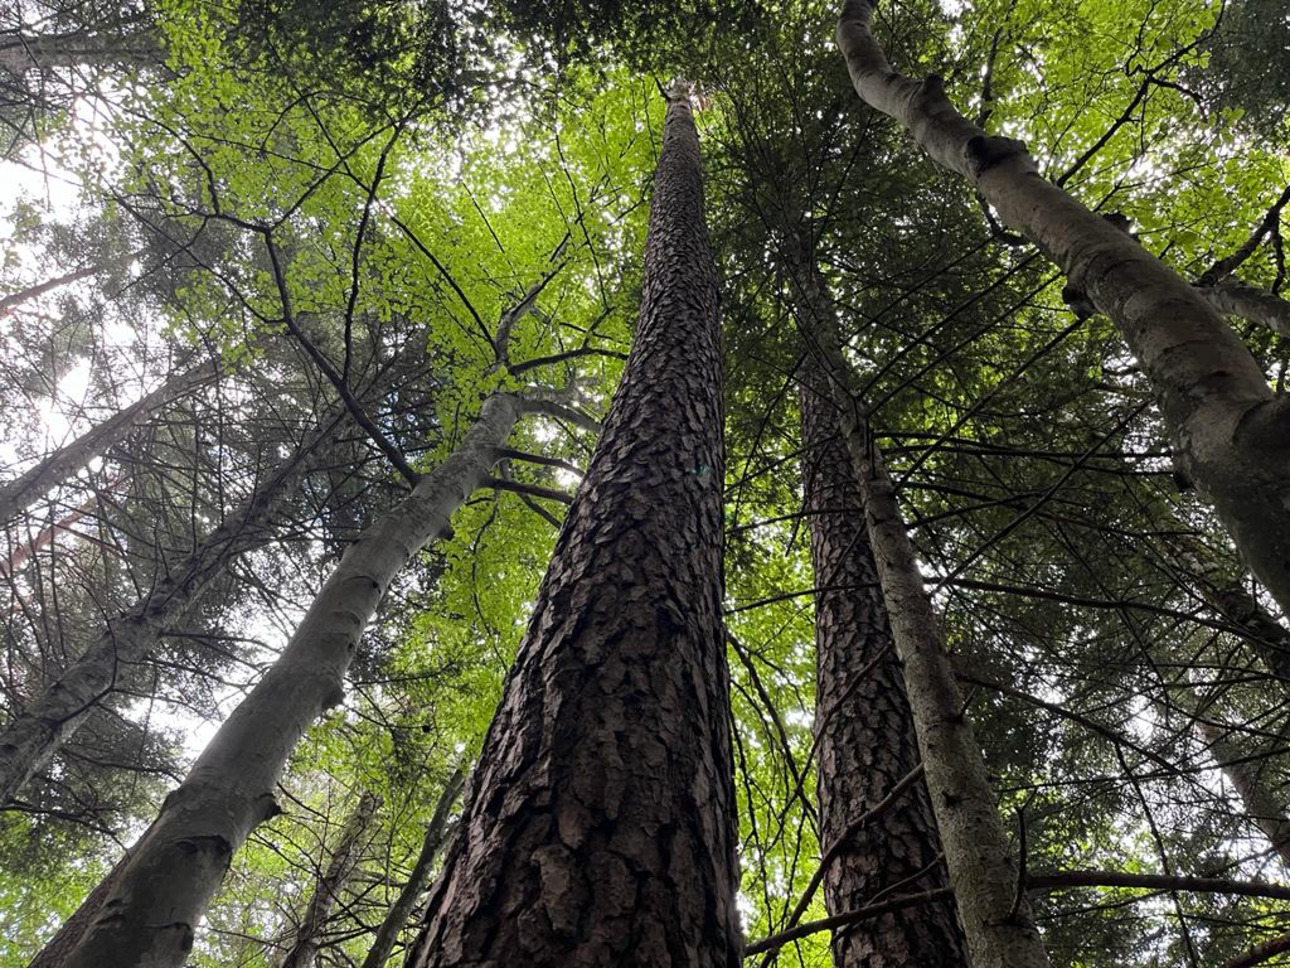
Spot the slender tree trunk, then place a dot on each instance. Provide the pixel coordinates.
(401, 911)
(1226, 592)
(1267, 810)
(34, 734)
(22, 554)
(10, 302)
(344, 859)
(995, 915)
(148, 921)
(864, 729)
(1231, 433)
(599, 827)
(57, 466)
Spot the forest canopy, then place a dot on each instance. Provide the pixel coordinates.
(572, 483)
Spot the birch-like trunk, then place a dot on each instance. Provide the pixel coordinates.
(864, 729)
(149, 919)
(1256, 305)
(1231, 433)
(344, 860)
(20, 53)
(995, 915)
(70, 458)
(1261, 805)
(599, 828)
(396, 919)
(1226, 592)
(15, 299)
(35, 733)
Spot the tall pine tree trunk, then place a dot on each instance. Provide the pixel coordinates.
(38, 730)
(149, 918)
(599, 828)
(995, 914)
(344, 860)
(1231, 433)
(865, 733)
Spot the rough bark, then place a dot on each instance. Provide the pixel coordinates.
(345, 858)
(995, 915)
(864, 730)
(35, 733)
(56, 467)
(1228, 428)
(148, 920)
(599, 827)
(401, 911)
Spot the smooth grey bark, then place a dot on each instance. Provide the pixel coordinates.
(599, 824)
(345, 858)
(996, 917)
(35, 733)
(1249, 302)
(149, 918)
(66, 460)
(396, 919)
(1261, 805)
(20, 53)
(1231, 433)
(15, 299)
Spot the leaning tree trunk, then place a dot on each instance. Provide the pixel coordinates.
(20, 53)
(1256, 305)
(1226, 593)
(864, 730)
(995, 915)
(344, 859)
(148, 920)
(1262, 806)
(1231, 433)
(599, 828)
(36, 732)
(396, 919)
(57, 466)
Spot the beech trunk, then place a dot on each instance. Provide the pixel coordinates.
(599, 827)
(864, 729)
(149, 918)
(1231, 433)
